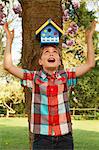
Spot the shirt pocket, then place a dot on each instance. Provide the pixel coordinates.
(62, 85)
(41, 86)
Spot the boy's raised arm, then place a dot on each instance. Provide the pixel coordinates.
(90, 62)
(8, 64)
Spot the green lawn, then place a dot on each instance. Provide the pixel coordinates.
(14, 134)
(86, 134)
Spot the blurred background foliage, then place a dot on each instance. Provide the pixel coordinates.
(86, 93)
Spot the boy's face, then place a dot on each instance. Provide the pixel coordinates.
(50, 58)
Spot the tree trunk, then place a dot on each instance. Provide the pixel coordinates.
(7, 115)
(34, 14)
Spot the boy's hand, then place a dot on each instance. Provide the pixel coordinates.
(9, 34)
(89, 32)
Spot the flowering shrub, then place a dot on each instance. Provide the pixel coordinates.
(77, 15)
(69, 8)
(76, 4)
(3, 15)
(73, 28)
(17, 10)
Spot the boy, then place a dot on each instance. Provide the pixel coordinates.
(50, 115)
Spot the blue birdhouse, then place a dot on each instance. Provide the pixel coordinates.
(49, 33)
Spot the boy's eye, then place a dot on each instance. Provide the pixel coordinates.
(55, 52)
(46, 51)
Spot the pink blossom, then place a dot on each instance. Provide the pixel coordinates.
(66, 15)
(2, 14)
(64, 45)
(76, 4)
(72, 29)
(66, 12)
(1, 7)
(1, 23)
(18, 10)
(70, 42)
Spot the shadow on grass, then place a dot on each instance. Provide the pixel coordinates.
(86, 140)
(14, 138)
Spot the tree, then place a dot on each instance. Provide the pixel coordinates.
(34, 14)
(11, 94)
(86, 92)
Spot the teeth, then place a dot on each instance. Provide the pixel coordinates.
(51, 60)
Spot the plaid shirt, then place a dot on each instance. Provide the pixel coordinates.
(50, 114)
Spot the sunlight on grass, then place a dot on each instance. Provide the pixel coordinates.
(89, 125)
(14, 134)
(21, 122)
(86, 134)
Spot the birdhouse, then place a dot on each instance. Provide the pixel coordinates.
(49, 33)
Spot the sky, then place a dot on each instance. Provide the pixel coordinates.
(17, 26)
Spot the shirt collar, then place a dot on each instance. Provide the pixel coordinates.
(44, 74)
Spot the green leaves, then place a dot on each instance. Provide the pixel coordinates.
(11, 92)
(86, 91)
(84, 17)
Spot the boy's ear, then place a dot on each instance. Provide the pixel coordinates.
(40, 62)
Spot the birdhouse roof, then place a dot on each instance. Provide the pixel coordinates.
(49, 21)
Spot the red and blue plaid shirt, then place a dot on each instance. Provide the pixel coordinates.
(50, 114)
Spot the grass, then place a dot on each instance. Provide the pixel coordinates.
(14, 134)
(86, 134)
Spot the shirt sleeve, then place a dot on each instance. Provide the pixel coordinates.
(28, 78)
(71, 77)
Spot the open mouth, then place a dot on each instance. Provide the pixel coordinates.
(51, 60)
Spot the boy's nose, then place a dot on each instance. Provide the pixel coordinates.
(51, 54)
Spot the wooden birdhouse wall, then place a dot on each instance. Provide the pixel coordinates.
(49, 35)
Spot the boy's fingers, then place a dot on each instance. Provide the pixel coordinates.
(7, 29)
(12, 33)
(94, 23)
(5, 26)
